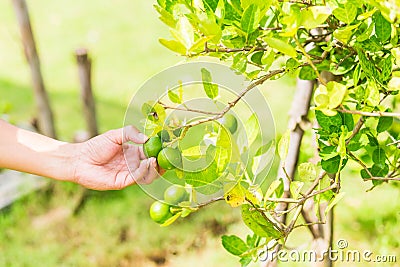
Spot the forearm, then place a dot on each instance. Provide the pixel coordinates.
(33, 153)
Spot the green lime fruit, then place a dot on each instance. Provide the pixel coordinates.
(175, 194)
(230, 122)
(160, 212)
(164, 136)
(152, 147)
(169, 158)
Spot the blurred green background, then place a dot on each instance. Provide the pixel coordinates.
(114, 228)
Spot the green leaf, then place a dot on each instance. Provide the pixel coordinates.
(259, 224)
(347, 14)
(334, 201)
(283, 145)
(341, 149)
(203, 181)
(239, 62)
(171, 220)
(332, 165)
(378, 170)
(327, 121)
(250, 19)
(366, 14)
(383, 27)
(386, 67)
(262, 4)
(245, 261)
(295, 188)
(234, 244)
(372, 140)
(252, 128)
(366, 34)
(210, 4)
(272, 188)
(372, 92)
(207, 24)
(264, 148)
(345, 33)
(210, 88)
(379, 156)
(307, 172)
(348, 120)
(307, 73)
(174, 46)
(166, 17)
(154, 112)
(281, 46)
(174, 97)
(184, 32)
(257, 57)
(220, 10)
(384, 123)
(199, 44)
(329, 97)
(336, 93)
(367, 66)
(234, 196)
(314, 16)
(186, 211)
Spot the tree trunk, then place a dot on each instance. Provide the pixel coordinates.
(45, 115)
(298, 117)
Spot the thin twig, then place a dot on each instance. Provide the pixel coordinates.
(286, 200)
(309, 60)
(383, 178)
(213, 200)
(360, 163)
(308, 224)
(370, 114)
(165, 106)
(356, 129)
(294, 219)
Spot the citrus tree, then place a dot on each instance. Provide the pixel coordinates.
(346, 55)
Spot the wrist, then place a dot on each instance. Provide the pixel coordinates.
(64, 161)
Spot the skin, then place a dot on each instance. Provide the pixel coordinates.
(99, 163)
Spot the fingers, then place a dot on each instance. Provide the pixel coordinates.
(146, 172)
(133, 153)
(131, 133)
(128, 133)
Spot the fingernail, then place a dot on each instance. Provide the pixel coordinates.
(154, 163)
(143, 137)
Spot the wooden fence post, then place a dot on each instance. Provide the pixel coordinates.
(45, 115)
(89, 110)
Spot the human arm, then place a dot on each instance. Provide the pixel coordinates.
(98, 163)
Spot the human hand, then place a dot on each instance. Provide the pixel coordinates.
(108, 162)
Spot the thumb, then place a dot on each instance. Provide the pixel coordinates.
(128, 133)
(131, 133)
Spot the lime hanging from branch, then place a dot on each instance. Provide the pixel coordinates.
(169, 158)
(160, 212)
(152, 147)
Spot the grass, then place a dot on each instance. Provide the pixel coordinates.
(114, 228)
